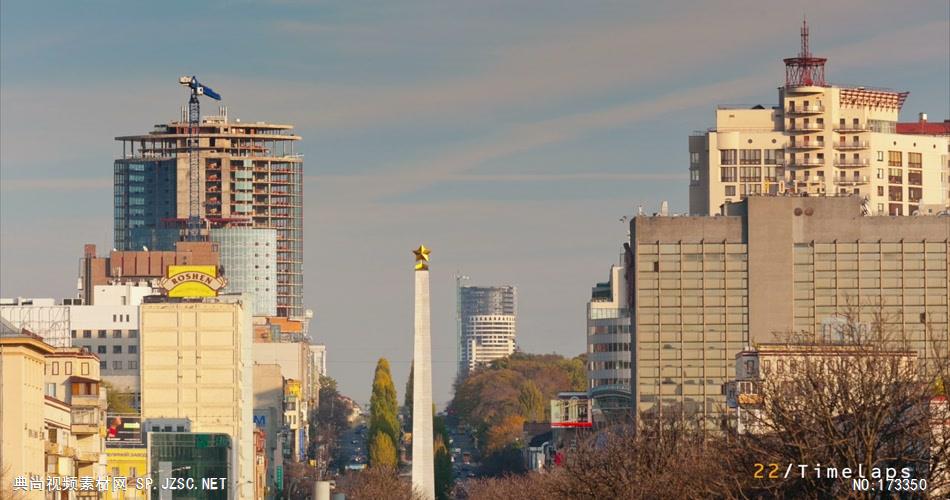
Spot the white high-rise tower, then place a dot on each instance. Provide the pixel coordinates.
(423, 471)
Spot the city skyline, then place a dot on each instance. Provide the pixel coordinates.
(514, 139)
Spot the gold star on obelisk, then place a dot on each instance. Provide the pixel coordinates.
(422, 258)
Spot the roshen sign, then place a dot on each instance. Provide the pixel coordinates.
(192, 281)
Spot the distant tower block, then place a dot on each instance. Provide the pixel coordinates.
(423, 471)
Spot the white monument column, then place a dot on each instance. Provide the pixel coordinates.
(423, 471)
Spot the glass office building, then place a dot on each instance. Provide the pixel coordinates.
(249, 259)
(193, 457)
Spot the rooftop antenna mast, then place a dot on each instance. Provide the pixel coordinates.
(805, 70)
(194, 174)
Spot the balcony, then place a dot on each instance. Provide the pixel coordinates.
(852, 181)
(852, 163)
(85, 400)
(805, 110)
(87, 457)
(86, 420)
(851, 128)
(805, 145)
(805, 162)
(805, 127)
(845, 146)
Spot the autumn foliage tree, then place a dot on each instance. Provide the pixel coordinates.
(384, 422)
(520, 385)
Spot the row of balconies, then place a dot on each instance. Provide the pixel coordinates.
(818, 127)
(805, 110)
(820, 162)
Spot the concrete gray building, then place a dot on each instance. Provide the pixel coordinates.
(701, 289)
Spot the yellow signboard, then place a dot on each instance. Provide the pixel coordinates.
(292, 388)
(192, 281)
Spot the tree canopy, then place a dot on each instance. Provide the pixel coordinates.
(514, 390)
(383, 417)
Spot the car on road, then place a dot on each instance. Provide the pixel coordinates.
(354, 442)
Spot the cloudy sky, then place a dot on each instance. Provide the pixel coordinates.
(508, 136)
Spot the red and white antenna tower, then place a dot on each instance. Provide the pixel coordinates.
(805, 70)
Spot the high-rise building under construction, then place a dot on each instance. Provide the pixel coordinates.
(250, 176)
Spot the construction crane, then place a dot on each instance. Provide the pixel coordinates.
(194, 169)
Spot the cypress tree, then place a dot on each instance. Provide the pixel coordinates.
(383, 415)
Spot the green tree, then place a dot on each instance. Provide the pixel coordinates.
(532, 402)
(119, 402)
(444, 478)
(383, 408)
(382, 450)
(407, 400)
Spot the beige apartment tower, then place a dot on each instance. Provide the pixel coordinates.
(197, 365)
(704, 288)
(821, 139)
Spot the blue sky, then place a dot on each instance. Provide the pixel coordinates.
(508, 136)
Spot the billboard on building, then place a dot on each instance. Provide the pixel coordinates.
(123, 430)
(292, 388)
(571, 409)
(192, 281)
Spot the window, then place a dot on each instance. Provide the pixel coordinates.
(895, 176)
(133, 334)
(100, 349)
(84, 368)
(68, 370)
(116, 365)
(133, 349)
(880, 156)
(880, 190)
(73, 334)
(133, 365)
(880, 173)
(727, 174)
(750, 156)
(773, 156)
(133, 472)
(750, 174)
(727, 157)
(730, 191)
(116, 349)
(894, 158)
(114, 318)
(914, 160)
(51, 390)
(693, 176)
(55, 369)
(102, 365)
(87, 334)
(915, 178)
(693, 158)
(102, 334)
(117, 334)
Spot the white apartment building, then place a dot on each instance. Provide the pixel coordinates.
(821, 139)
(608, 347)
(487, 325)
(107, 329)
(197, 365)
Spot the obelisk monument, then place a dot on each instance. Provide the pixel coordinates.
(423, 472)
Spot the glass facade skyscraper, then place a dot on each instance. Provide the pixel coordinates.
(250, 175)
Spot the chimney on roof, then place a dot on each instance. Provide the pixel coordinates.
(922, 117)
